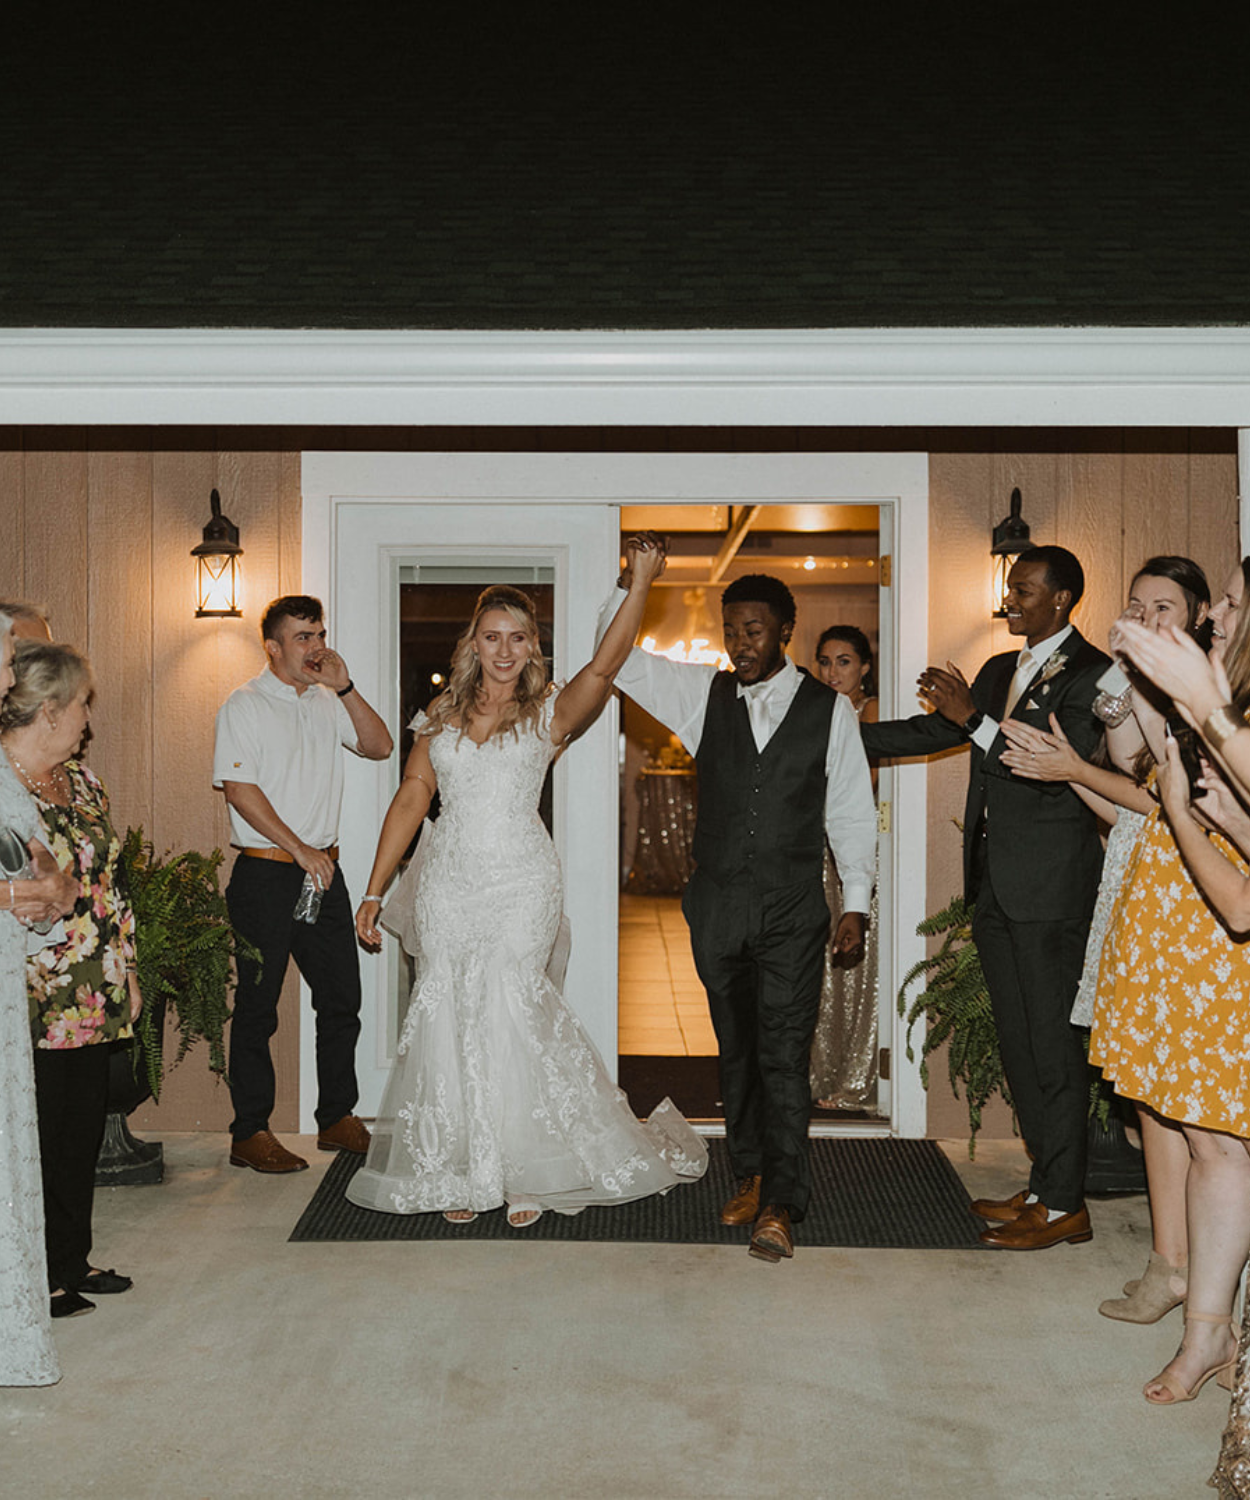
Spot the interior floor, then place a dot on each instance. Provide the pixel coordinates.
(663, 1008)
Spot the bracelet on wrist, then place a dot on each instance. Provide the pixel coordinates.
(378, 899)
(343, 692)
(1220, 725)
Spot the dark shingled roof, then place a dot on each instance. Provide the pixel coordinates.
(579, 167)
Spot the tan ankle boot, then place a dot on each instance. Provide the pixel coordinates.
(1153, 1296)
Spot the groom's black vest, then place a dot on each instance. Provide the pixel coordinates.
(762, 815)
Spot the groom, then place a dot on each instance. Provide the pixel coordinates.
(781, 768)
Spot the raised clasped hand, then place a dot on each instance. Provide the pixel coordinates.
(947, 691)
(646, 555)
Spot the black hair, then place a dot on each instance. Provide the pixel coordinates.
(1063, 571)
(759, 588)
(289, 607)
(858, 642)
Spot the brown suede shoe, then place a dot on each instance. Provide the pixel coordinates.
(1033, 1230)
(349, 1134)
(771, 1239)
(1004, 1211)
(744, 1206)
(263, 1153)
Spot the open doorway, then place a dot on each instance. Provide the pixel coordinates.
(829, 556)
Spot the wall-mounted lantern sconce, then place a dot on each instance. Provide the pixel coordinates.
(1011, 538)
(217, 580)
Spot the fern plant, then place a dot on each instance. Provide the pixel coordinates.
(185, 949)
(955, 1004)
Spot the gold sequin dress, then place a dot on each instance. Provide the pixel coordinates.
(843, 1068)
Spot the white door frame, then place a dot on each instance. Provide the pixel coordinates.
(896, 480)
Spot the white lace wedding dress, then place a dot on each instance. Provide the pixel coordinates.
(27, 1354)
(497, 1094)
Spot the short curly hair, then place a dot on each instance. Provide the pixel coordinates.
(760, 588)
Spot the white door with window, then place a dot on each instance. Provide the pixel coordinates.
(375, 524)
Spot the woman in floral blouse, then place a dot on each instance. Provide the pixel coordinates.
(82, 989)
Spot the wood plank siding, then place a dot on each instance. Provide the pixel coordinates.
(97, 524)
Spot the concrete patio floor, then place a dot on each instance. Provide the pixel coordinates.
(244, 1366)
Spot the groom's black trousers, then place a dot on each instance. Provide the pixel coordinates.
(760, 955)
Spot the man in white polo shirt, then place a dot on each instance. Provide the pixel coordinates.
(278, 761)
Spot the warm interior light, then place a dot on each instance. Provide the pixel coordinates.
(809, 564)
(700, 651)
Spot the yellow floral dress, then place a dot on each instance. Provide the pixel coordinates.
(1171, 1024)
(77, 988)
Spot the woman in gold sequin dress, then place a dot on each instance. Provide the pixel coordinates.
(844, 1045)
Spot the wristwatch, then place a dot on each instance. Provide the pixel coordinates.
(973, 722)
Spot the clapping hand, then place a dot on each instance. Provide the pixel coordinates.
(1175, 662)
(1172, 784)
(947, 692)
(1036, 755)
(1220, 809)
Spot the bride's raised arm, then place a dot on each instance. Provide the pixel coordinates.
(404, 816)
(580, 702)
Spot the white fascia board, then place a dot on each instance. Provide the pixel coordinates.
(886, 377)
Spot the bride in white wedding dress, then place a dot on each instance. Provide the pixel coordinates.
(497, 1094)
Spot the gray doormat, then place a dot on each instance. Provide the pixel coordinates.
(881, 1194)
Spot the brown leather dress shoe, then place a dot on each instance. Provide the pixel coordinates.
(744, 1206)
(771, 1239)
(348, 1134)
(1002, 1211)
(1034, 1230)
(263, 1153)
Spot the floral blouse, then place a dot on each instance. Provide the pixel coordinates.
(77, 988)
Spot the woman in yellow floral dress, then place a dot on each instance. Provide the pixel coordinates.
(82, 990)
(1171, 1030)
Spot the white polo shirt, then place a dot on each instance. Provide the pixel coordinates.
(287, 744)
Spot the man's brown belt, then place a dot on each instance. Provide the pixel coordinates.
(282, 856)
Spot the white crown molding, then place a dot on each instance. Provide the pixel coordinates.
(887, 377)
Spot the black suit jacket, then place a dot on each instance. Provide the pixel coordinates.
(1042, 848)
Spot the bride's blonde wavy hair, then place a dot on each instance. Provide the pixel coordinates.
(455, 705)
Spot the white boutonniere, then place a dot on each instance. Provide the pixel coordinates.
(1054, 665)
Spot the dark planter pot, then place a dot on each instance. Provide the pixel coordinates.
(1113, 1165)
(124, 1160)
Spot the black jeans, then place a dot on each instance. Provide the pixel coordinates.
(71, 1087)
(261, 897)
(760, 955)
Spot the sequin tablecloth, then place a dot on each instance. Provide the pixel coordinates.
(667, 801)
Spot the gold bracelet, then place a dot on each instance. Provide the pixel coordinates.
(1220, 725)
